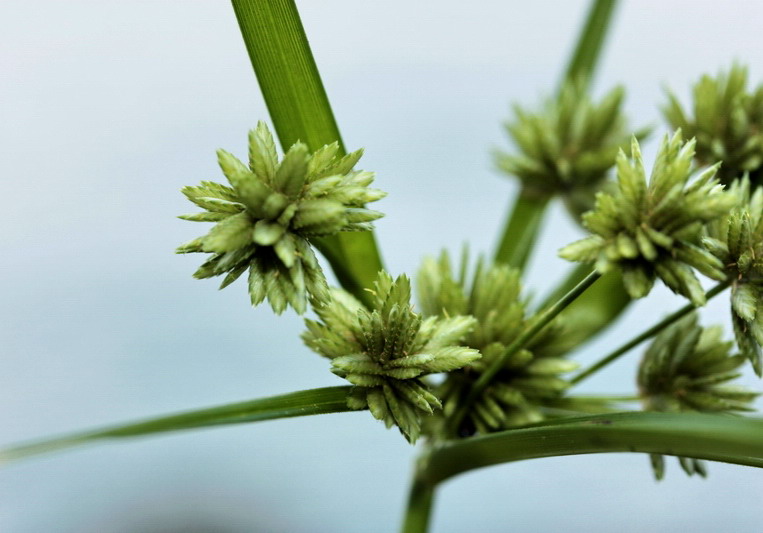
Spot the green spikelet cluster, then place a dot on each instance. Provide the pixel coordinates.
(655, 230)
(727, 122)
(569, 146)
(265, 219)
(688, 368)
(528, 379)
(386, 350)
(737, 240)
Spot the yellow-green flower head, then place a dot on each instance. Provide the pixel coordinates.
(386, 350)
(737, 241)
(267, 216)
(528, 379)
(655, 230)
(727, 123)
(688, 368)
(569, 146)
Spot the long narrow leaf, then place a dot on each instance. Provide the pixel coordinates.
(717, 438)
(302, 403)
(300, 110)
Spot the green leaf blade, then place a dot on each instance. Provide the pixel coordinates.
(303, 403)
(734, 440)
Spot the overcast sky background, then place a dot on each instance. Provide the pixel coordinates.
(109, 108)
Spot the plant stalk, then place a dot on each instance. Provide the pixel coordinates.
(419, 508)
(649, 333)
(522, 228)
(590, 43)
(594, 310)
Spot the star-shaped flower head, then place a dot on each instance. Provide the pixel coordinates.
(688, 368)
(267, 216)
(493, 297)
(737, 241)
(727, 122)
(654, 230)
(569, 146)
(386, 350)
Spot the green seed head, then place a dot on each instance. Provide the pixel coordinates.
(655, 229)
(528, 379)
(689, 368)
(569, 146)
(267, 215)
(727, 123)
(385, 351)
(737, 241)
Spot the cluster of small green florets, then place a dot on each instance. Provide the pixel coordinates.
(267, 216)
(737, 241)
(655, 230)
(727, 123)
(385, 351)
(688, 368)
(527, 379)
(568, 147)
(668, 226)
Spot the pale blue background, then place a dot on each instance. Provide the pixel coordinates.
(108, 108)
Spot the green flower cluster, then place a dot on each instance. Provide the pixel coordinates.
(267, 216)
(737, 241)
(688, 368)
(727, 123)
(384, 351)
(528, 379)
(569, 146)
(656, 230)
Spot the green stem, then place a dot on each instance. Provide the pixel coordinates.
(300, 110)
(302, 403)
(541, 320)
(596, 309)
(419, 507)
(590, 43)
(649, 333)
(340, 268)
(522, 227)
(714, 437)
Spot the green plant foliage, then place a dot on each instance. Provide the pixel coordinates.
(569, 146)
(384, 351)
(265, 219)
(655, 230)
(727, 123)
(737, 240)
(528, 379)
(688, 368)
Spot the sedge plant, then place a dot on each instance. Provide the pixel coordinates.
(457, 356)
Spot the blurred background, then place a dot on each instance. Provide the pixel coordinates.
(109, 108)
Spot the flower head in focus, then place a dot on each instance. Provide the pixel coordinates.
(386, 350)
(655, 229)
(737, 241)
(266, 218)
